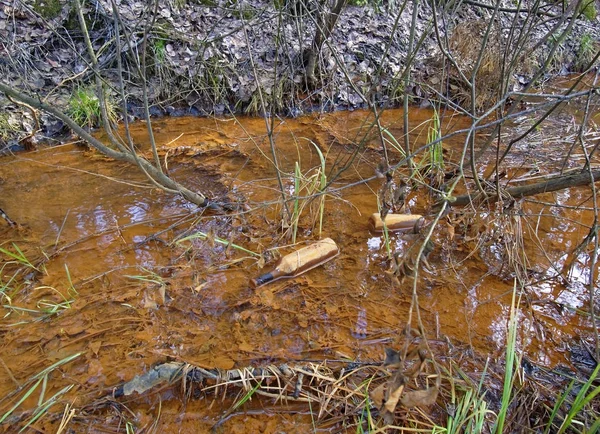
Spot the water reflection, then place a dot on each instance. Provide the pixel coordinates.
(137, 212)
(360, 326)
(374, 243)
(143, 257)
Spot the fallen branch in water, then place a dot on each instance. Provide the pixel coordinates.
(561, 182)
(335, 387)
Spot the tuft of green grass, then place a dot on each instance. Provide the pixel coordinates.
(364, 3)
(149, 277)
(44, 308)
(391, 140)
(48, 307)
(322, 179)
(47, 8)
(311, 185)
(204, 236)
(469, 411)
(211, 80)
(39, 383)
(578, 414)
(7, 130)
(436, 156)
(432, 162)
(585, 52)
(366, 422)
(159, 48)
(6, 289)
(512, 362)
(18, 257)
(84, 108)
(245, 13)
(588, 10)
(253, 106)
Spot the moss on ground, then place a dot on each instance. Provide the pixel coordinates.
(47, 8)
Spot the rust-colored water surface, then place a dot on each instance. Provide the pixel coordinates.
(122, 277)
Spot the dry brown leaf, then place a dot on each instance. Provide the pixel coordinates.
(392, 358)
(302, 320)
(246, 347)
(95, 346)
(95, 371)
(223, 362)
(395, 394)
(417, 398)
(451, 232)
(377, 395)
(199, 288)
(149, 303)
(245, 315)
(161, 294)
(267, 298)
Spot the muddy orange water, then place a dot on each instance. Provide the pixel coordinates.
(114, 284)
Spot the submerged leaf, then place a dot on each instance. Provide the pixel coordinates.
(377, 395)
(423, 397)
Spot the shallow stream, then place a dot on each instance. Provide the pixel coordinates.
(115, 284)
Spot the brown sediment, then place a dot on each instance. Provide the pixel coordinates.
(138, 298)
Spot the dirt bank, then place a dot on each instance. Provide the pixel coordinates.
(220, 57)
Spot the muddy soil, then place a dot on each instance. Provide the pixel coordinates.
(111, 280)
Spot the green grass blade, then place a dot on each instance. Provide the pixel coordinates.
(203, 236)
(510, 364)
(322, 185)
(56, 365)
(247, 396)
(581, 400)
(149, 277)
(44, 406)
(72, 291)
(595, 427)
(40, 378)
(20, 401)
(393, 142)
(295, 214)
(19, 256)
(557, 405)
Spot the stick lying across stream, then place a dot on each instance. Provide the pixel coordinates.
(561, 182)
